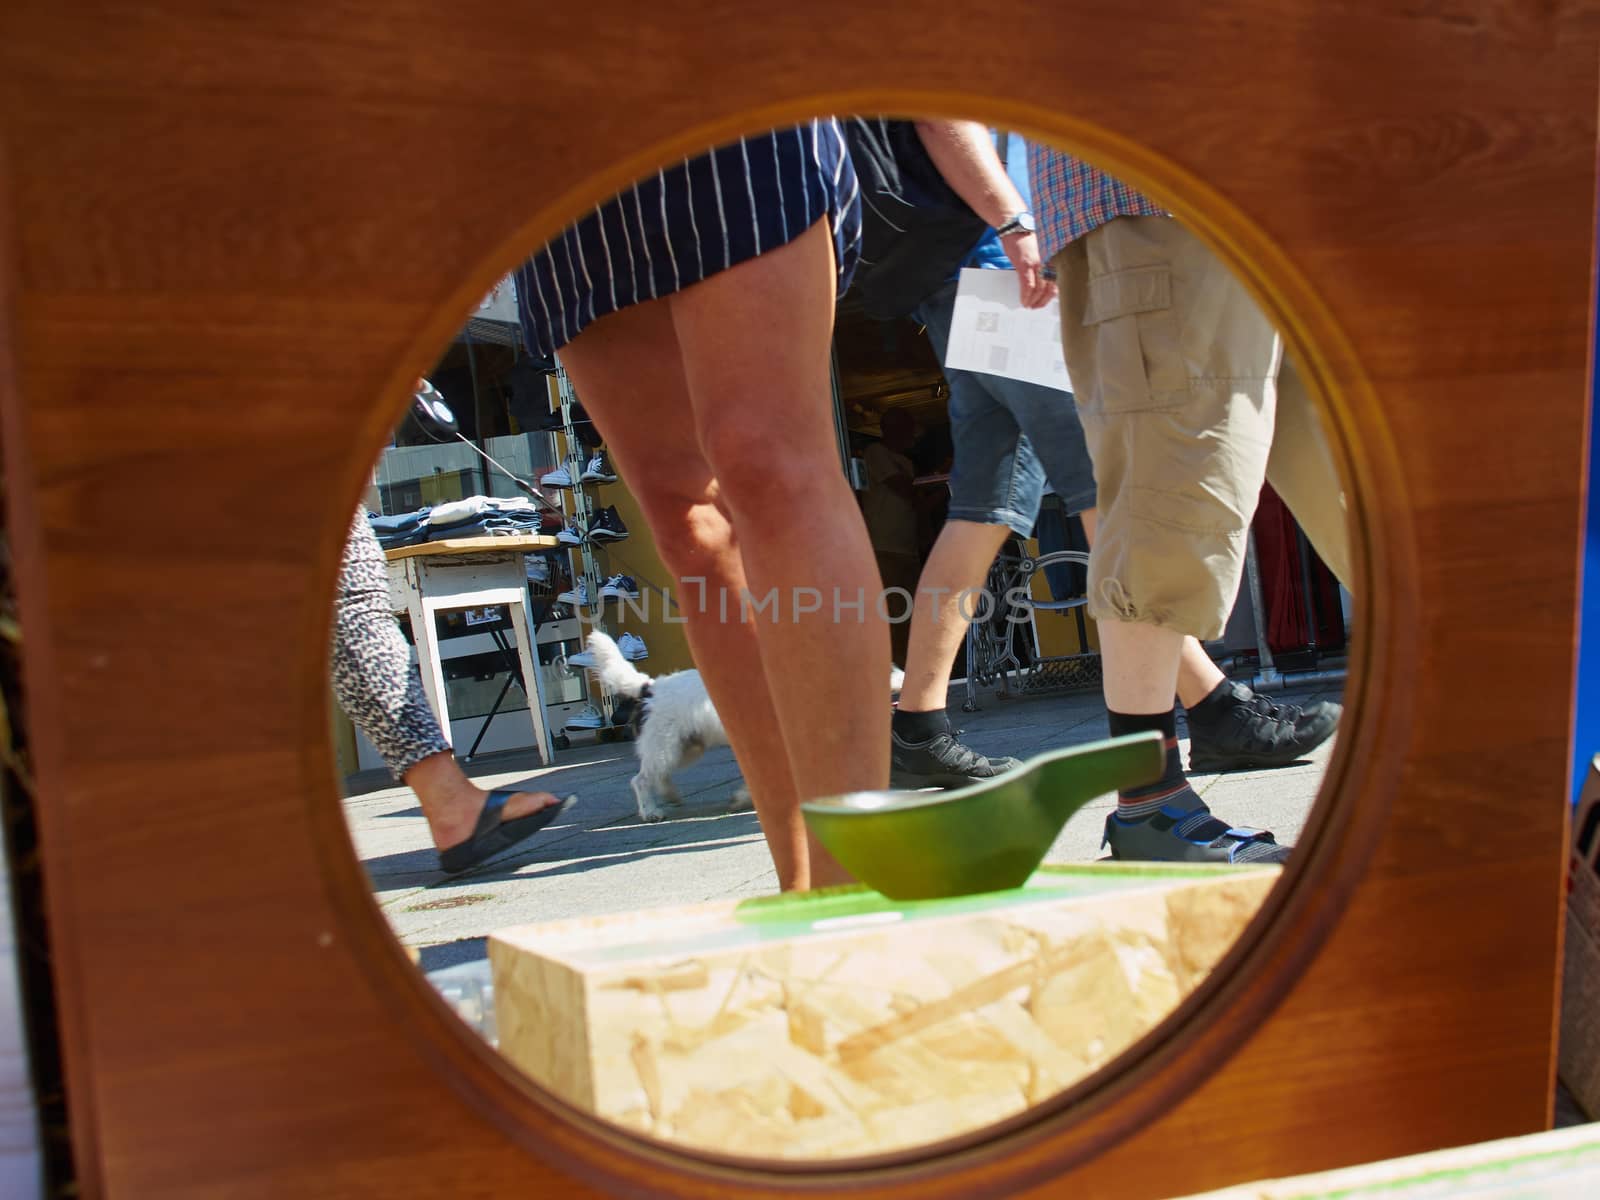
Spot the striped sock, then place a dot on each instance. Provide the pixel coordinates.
(1172, 789)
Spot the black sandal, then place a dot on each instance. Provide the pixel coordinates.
(493, 836)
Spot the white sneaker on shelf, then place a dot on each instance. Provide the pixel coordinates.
(569, 535)
(582, 658)
(578, 596)
(560, 477)
(589, 718)
(619, 587)
(633, 647)
(598, 470)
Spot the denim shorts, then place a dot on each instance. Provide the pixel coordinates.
(1011, 439)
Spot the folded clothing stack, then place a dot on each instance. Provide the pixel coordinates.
(481, 516)
(402, 529)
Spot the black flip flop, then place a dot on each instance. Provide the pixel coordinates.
(494, 836)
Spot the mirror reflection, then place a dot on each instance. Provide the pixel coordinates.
(843, 640)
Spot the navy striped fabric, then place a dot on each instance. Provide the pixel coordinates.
(688, 222)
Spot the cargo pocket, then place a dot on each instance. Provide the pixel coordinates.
(1129, 315)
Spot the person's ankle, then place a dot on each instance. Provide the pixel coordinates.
(919, 726)
(452, 814)
(1215, 703)
(1172, 788)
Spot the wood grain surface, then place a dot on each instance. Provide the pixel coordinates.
(455, 547)
(234, 234)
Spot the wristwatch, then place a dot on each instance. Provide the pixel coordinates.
(1021, 222)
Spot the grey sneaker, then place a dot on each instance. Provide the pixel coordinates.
(1189, 835)
(941, 761)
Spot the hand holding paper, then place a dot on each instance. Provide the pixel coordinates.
(993, 333)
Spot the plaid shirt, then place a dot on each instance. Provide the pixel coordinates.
(1071, 198)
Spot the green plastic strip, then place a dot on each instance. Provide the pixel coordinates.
(826, 911)
(1531, 1171)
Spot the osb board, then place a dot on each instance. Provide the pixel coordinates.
(233, 235)
(1560, 1165)
(844, 1025)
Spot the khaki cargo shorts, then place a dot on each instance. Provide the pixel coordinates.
(1176, 374)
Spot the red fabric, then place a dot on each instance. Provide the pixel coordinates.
(1283, 584)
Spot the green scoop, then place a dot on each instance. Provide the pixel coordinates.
(984, 838)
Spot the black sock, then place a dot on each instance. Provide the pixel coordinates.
(919, 726)
(1136, 803)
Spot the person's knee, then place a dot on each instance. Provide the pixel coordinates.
(692, 537)
(759, 484)
(685, 517)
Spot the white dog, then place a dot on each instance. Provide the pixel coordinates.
(675, 723)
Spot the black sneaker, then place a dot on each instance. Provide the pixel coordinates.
(1240, 730)
(608, 527)
(1189, 835)
(941, 761)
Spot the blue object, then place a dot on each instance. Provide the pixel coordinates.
(988, 254)
(1586, 724)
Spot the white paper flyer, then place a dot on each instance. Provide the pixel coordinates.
(991, 332)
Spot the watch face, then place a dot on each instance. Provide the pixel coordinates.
(1024, 221)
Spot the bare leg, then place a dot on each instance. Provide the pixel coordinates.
(1198, 676)
(1141, 666)
(630, 369)
(761, 406)
(959, 562)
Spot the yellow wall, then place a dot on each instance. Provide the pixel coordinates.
(1058, 632)
(636, 556)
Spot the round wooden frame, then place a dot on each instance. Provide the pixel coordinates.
(229, 231)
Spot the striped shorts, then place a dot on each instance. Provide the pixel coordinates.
(689, 221)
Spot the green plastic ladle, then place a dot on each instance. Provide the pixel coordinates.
(984, 838)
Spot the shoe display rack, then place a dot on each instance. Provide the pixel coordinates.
(588, 527)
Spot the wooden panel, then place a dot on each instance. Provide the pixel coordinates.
(235, 229)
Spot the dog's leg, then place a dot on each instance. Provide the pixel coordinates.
(669, 793)
(645, 791)
(741, 801)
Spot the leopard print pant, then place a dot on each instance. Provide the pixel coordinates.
(372, 673)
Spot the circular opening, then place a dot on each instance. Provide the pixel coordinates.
(1151, 1070)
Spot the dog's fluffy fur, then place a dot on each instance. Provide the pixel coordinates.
(674, 724)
